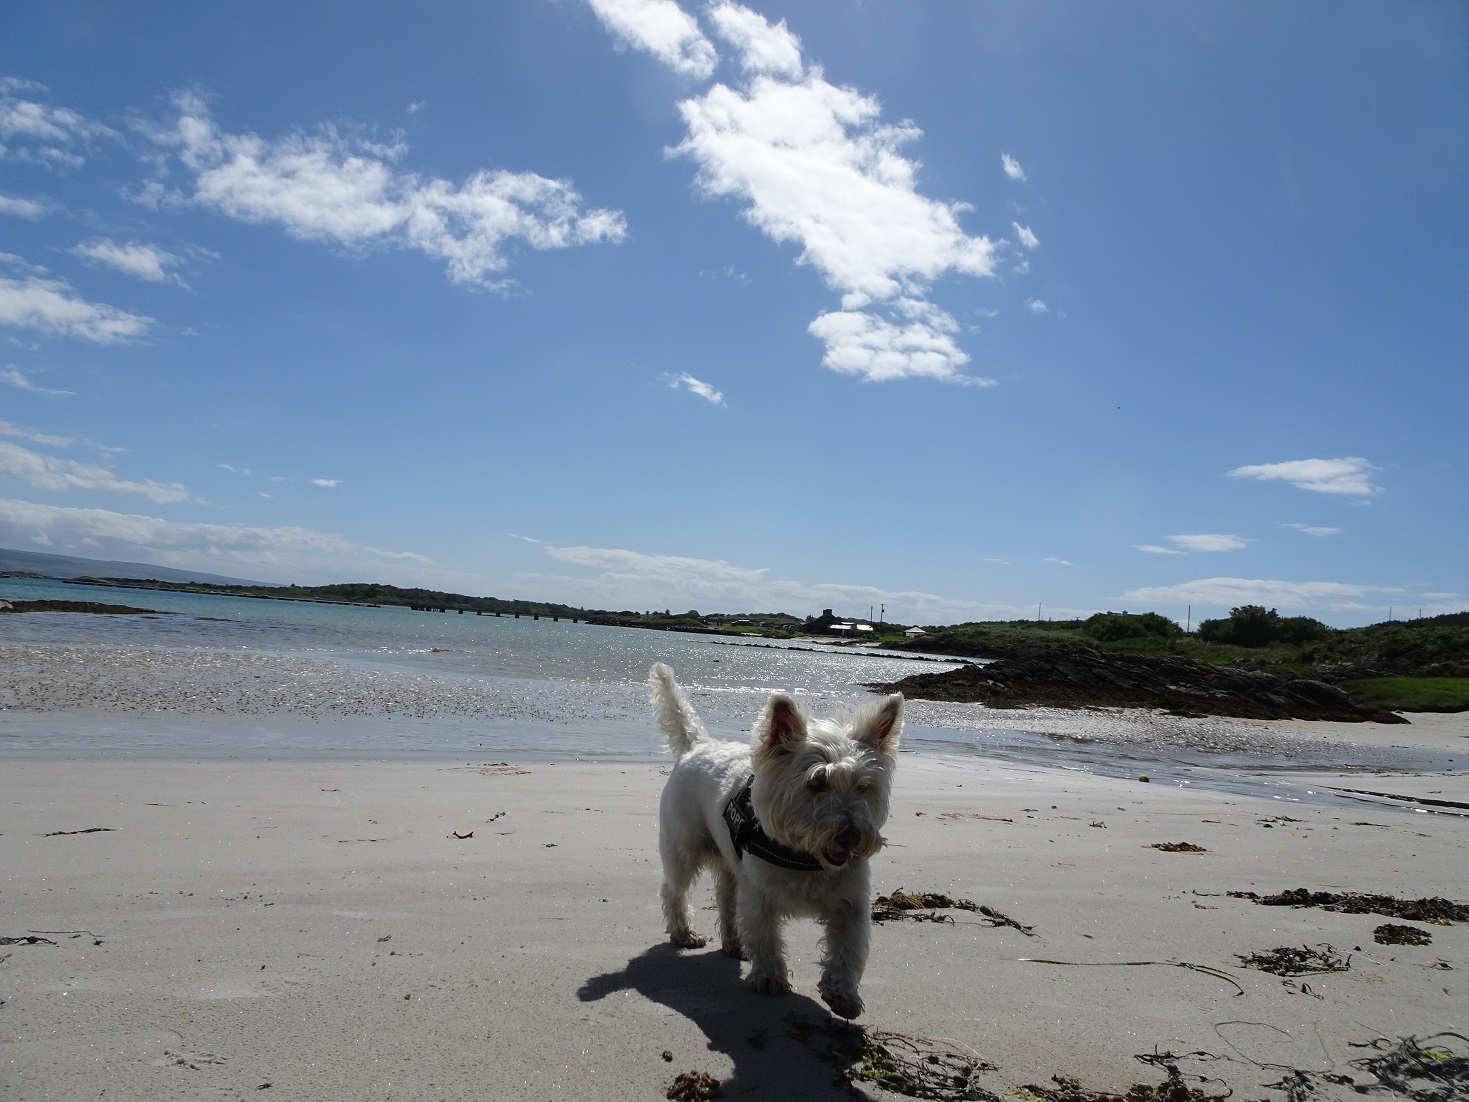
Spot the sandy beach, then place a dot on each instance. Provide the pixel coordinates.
(400, 930)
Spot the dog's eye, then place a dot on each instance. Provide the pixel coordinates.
(863, 786)
(817, 780)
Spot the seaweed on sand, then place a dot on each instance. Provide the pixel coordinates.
(692, 1086)
(1290, 961)
(1172, 1089)
(1406, 1068)
(924, 907)
(1391, 933)
(918, 1067)
(1435, 909)
(1179, 847)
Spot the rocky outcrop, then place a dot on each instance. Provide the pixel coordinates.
(1079, 677)
(76, 606)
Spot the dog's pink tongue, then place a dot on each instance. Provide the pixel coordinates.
(838, 856)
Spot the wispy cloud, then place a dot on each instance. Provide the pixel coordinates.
(1037, 306)
(687, 382)
(326, 483)
(49, 472)
(278, 554)
(50, 306)
(1314, 530)
(325, 186)
(1349, 475)
(1012, 167)
(1058, 562)
(1027, 238)
(45, 134)
(1232, 592)
(813, 164)
(620, 578)
(135, 258)
(1154, 549)
(30, 209)
(13, 376)
(663, 29)
(1209, 542)
(50, 440)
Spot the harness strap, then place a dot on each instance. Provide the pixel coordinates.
(749, 836)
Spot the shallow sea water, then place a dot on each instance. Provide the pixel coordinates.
(242, 677)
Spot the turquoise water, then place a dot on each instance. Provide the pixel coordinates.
(248, 677)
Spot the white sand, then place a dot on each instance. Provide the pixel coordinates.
(315, 927)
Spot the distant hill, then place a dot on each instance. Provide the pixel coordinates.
(68, 566)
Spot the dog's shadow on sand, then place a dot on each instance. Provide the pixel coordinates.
(781, 1046)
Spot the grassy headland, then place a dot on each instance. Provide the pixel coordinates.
(1413, 665)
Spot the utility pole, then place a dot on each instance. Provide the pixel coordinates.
(1037, 612)
(1188, 621)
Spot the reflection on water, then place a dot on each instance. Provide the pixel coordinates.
(240, 676)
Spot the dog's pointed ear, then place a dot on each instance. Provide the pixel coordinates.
(782, 725)
(882, 730)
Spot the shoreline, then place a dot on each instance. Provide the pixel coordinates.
(319, 926)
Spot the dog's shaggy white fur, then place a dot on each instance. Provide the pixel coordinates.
(820, 787)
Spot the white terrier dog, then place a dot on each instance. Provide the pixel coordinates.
(787, 823)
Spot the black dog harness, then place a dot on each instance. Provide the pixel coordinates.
(749, 836)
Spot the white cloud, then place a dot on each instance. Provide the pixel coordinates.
(10, 428)
(17, 207)
(663, 29)
(1154, 549)
(1058, 562)
(864, 344)
(1348, 475)
(695, 386)
(147, 262)
(813, 164)
(43, 129)
(1037, 306)
(1027, 238)
(48, 472)
(763, 48)
(13, 376)
(673, 569)
(327, 483)
(1012, 167)
(1314, 530)
(279, 554)
(632, 579)
(26, 119)
(49, 305)
(326, 187)
(1233, 592)
(1209, 542)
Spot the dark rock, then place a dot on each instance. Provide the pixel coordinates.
(1079, 677)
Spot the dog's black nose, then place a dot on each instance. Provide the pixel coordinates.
(848, 837)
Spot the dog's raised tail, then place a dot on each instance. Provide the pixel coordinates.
(677, 719)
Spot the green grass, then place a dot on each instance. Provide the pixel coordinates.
(1413, 694)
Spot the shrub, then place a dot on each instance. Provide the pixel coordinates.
(1109, 627)
(1255, 626)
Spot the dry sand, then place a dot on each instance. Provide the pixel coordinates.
(315, 931)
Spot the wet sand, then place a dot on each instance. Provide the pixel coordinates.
(319, 927)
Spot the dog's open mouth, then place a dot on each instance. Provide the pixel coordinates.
(835, 856)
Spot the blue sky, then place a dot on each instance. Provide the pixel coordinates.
(955, 308)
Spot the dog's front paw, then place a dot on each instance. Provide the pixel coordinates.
(844, 1002)
(771, 982)
(687, 939)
